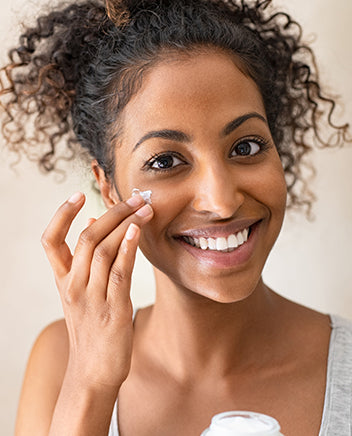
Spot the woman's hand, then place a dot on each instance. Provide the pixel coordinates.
(94, 285)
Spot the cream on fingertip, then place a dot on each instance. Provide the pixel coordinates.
(135, 201)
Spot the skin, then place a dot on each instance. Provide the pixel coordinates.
(217, 337)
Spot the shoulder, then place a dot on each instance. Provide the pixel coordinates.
(53, 334)
(50, 350)
(43, 379)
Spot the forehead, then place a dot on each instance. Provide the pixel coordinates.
(205, 89)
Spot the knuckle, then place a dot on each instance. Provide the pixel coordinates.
(71, 297)
(46, 241)
(105, 316)
(101, 253)
(117, 276)
(71, 293)
(87, 237)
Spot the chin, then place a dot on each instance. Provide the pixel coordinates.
(222, 297)
(222, 291)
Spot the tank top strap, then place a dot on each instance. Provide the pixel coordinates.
(337, 414)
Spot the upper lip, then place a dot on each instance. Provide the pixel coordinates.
(220, 230)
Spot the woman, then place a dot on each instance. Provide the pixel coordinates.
(209, 105)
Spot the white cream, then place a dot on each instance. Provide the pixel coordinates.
(242, 424)
(245, 425)
(146, 195)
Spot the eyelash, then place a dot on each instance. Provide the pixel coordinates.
(148, 166)
(264, 145)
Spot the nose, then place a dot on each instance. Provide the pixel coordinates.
(216, 192)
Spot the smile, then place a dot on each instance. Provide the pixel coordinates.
(229, 246)
(224, 244)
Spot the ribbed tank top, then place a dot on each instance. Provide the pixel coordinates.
(337, 413)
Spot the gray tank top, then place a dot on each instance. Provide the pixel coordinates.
(337, 414)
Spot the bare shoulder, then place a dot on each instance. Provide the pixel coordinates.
(50, 351)
(43, 379)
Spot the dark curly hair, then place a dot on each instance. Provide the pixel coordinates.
(74, 72)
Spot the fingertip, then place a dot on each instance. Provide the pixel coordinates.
(145, 211)
(76, 198)
(132, 232)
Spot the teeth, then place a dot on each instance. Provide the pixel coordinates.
(211, 244)
(219, 244)
(232, 241)
(203, 243)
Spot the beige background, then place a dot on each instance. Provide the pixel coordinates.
(311, 262)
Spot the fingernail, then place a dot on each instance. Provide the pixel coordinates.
(131, 232)
(144, 211)
(135, 201)
(75, 197)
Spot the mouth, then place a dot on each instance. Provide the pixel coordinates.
(225, 243)
(230, 246)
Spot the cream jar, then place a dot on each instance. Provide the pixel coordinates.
(240, 423)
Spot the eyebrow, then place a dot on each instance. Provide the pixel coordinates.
(176, 135)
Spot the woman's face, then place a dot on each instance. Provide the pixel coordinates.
(196, 135)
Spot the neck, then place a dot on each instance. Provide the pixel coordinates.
(194, 336)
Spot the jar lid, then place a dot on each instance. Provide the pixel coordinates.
(242, 423)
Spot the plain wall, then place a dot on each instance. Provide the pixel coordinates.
(311, 262)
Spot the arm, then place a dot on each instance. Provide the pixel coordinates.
(48, 395)
(42, 381)
(77, 366)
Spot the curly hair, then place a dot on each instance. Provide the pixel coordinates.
(73, 73)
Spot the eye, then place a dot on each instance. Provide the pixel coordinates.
(164, 161)
(247, 148)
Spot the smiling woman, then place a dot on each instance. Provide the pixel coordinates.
(192, 162)
(210, 106)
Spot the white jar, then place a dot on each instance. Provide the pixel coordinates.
(240, 423)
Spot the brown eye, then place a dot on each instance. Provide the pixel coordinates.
(246, 148)
(164, 162)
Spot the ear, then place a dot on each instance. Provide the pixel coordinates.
(107, 189)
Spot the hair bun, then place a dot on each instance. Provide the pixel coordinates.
(118, 11)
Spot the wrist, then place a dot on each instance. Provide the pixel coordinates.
(92, 386)
(84, 407)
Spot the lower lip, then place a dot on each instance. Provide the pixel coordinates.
(218, 259)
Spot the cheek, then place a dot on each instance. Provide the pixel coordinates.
(278, 187)
(166, 207)
(269, 186)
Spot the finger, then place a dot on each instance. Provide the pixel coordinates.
(119, 285)
(91, 221)
(105, 253)
(100, 229)
(53, 238)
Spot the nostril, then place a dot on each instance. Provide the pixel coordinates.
(218, 207)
